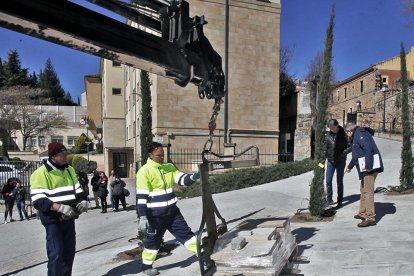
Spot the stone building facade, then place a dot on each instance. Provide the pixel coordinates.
(304, 122)
(181, 119)
(362, 97)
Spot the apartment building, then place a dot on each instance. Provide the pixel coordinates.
(73, 115)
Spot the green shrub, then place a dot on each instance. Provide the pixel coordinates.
(99, 148)
(92, 166)
(81, 166)
(81, 146)
(249, 177)
(84, 165)
(69, 158)
(76, 159)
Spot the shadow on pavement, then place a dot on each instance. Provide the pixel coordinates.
(384, 208)
(350, 199)
(133, 267)
(302, 234)
(245, 216)
(187, 262)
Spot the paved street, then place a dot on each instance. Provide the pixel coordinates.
(333, 248)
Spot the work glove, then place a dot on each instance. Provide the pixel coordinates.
(67, 211)
(82, 207)
(195, 176)
(143, 224)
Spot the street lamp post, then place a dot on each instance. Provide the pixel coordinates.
(384, 92)
(87, 148)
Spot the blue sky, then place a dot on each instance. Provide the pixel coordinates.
(366, 32)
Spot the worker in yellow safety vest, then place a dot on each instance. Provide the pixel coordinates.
(156, 205)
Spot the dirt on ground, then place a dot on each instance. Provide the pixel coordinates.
(135, 253)
(405, 192)
(302, 217)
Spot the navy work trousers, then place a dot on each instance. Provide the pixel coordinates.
(173, 222)
(61, 246)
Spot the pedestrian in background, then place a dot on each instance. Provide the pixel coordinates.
(95, 187)
(7, 193)
(368, 161)
(84, 182)
(156, 206)
(336, 150)
(103, 191)
(19, 194)
(118, 193)
(111, 179)
(58, 196)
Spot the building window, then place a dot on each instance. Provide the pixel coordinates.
(72, 140)
(332, 98)
(116, 64)
(353, 91)
(385, 80)
(57, 139)
(30, 142)
(345, 92)
(116, 91)
(362, 86)
(42, 141)
(337, 94)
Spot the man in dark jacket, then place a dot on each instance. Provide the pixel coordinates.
(367, 159)
(336, 150)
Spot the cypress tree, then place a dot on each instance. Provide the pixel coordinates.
(317, 193)
(146, 116)
(407, 162)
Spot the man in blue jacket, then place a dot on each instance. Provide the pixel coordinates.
(367, 159)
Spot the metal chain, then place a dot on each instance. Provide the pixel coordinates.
(212, 124)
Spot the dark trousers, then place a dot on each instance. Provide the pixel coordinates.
(116, 201)
(9, 209)
(173, 222)
(21, 208)
(104, 204)
(61, 246)
(339, 167)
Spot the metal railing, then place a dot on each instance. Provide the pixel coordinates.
(188, 159)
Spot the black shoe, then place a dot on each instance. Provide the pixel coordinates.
(21, 219)
(338, 206)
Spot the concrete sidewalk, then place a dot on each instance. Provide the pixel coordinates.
(333, 248)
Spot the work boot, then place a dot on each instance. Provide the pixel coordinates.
(151, 271)
(367, 223)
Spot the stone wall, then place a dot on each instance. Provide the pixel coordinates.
(303, 124)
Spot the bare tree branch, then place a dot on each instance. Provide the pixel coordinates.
(18, 112)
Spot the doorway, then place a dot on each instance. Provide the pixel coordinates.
(120, 163)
